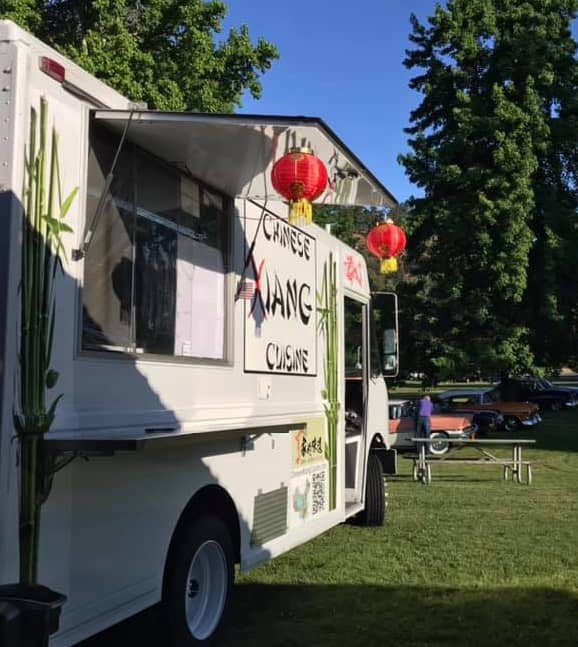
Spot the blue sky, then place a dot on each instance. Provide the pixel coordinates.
(341, 61)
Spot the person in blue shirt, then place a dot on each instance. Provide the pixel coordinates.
(424, 411)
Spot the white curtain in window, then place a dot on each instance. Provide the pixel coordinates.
(200, 307)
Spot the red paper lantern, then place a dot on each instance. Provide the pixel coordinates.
(300, 177)
(386, 241)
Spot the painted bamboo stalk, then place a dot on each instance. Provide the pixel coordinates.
(42, 227)
(327, 302)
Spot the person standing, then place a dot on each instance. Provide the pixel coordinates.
(424, 411)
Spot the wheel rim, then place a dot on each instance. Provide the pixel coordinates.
(511, 424)
(206, 590)
(440, 447)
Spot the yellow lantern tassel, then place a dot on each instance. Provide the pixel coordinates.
(301, 213)
(388, 265)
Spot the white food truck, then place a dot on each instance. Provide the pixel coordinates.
(223, 399)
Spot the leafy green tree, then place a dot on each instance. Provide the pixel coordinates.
(163, 52)
(352, 224)
(543, 46)
(482, 144)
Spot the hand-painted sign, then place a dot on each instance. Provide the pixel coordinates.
(309, 487)
(353, 270)
(281, 314)
(308, 445)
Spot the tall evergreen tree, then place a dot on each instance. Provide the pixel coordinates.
(479, 141)
(163, 52)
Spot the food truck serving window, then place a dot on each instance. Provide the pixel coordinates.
(155, 271)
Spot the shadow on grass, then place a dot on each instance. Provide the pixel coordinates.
(367, 615)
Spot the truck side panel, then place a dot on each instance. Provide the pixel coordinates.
(14, 74)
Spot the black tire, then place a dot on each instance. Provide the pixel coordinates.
(375, 496)
(209, 538)
(511, 423)
(441, 448)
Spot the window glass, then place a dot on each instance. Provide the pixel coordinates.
(155, 277)
(108, 267)
(155, 270)
(353, 312)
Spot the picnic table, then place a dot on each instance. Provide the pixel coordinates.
(423, 461)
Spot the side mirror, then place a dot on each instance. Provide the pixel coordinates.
(389, 350)
(358, 364)
(385, 322)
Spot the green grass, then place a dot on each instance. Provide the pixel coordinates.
(469, 560)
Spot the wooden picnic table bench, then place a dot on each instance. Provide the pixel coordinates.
(423, 461)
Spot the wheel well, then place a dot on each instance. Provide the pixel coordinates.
(386, 455)
(211, 500)
(377, 442)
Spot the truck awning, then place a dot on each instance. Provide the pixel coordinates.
(235, 153)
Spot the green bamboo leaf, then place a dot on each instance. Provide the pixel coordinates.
(56, 225)
(50, 414)
(65, 207)
(18, 425)
(51, 378)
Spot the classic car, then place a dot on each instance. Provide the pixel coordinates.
(487, 421)
(534, 390)
(402, 427)
(516, 414)
(548, 384)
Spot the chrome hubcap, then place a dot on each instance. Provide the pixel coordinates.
(206, 590)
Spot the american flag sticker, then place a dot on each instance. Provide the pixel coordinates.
(246, 290)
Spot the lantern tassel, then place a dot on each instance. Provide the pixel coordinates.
(388, 265)
(301, 213)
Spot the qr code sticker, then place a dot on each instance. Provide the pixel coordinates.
(318, 503)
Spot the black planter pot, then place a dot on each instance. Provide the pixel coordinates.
(29, 614)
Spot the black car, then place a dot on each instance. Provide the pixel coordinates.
(486, 421)
(550, 385)
(532, 389)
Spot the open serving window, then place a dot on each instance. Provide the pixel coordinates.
(160, 187)
(155, 270)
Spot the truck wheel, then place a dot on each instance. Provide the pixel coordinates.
(375, 496)
(199, 581)
(511, 423)
(441, 447)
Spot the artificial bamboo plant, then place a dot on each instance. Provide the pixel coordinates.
(44, 210)
(327, 305)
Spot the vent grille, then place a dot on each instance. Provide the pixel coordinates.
(269, 516)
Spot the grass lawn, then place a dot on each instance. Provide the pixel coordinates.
(469, 560)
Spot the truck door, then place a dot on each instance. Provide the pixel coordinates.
(356, 372)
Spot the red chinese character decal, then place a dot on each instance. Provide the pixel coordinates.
(353, 271)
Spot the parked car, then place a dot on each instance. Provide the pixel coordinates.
(402, 427)
(534, 390)
(516, 414)
(487, 421)
(548, 384)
